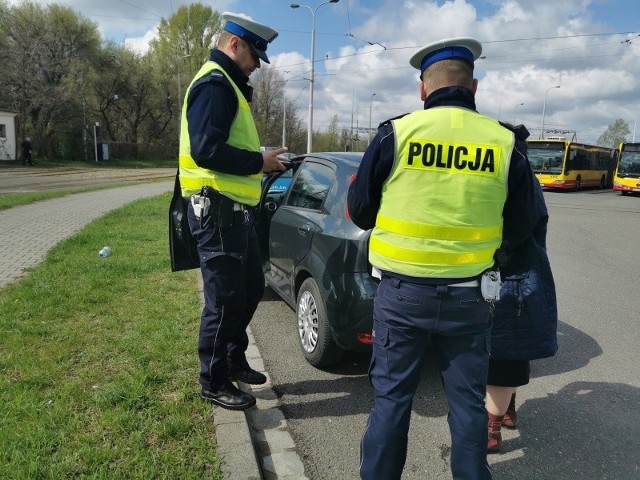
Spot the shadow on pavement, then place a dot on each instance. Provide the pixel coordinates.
(588, 430)
(575, 351)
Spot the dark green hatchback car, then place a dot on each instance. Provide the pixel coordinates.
(315, 258)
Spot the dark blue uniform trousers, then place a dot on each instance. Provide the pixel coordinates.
(458, 321)
(233, 282)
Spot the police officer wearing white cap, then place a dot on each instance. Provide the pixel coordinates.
(220, 172)
(447, 192)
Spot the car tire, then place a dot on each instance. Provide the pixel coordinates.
(314, 333)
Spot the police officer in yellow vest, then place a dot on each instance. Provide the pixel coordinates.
(444, 189)
(221, 169)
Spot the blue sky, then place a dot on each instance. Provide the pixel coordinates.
(363, 48)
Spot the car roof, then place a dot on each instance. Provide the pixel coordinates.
(349, 158)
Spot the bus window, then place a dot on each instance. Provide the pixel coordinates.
(545, 160)
(569, 165)
(627, 176)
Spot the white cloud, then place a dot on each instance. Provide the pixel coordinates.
(141, 44)
(598, 74)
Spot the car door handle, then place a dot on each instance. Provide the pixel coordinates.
(304, 229)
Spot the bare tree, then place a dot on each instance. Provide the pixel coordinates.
(268, 107)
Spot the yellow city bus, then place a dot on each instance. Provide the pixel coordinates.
(569, 165)
(627, 177)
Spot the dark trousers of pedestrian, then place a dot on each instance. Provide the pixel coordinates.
(233, 284)
(408, 319)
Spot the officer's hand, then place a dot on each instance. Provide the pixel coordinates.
(271, 162)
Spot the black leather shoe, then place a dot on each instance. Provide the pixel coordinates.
(229, 397)
(246, 374)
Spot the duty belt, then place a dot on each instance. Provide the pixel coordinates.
(470, 283)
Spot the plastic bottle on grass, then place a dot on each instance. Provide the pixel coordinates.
(105, 251)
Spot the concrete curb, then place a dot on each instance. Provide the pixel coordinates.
(255, 443)
(273, 444)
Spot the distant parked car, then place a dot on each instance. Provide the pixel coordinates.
(315, 258)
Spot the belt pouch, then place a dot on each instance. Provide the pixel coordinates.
(221, 211)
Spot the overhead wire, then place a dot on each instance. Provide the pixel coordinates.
(140, 8)
(491, 60)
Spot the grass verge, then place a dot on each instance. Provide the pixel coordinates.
(9, 200)
(156, 163)
(98, 362)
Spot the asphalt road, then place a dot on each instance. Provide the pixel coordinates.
(579, 417)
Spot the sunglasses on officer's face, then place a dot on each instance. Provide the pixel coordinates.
(260, 44)
(254, 55)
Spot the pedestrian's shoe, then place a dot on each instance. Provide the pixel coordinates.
(495, 437)
(229, 396)
(246, 374)
(510, 419)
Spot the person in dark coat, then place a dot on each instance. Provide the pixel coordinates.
(524, 325)
(26, 152)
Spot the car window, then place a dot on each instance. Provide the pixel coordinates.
(311, 186)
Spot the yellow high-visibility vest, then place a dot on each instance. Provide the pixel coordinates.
(243, 134)
(441, 209)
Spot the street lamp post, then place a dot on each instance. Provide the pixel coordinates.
(180, 99)
(544, 106)
(514, 111)
(369, 131)
(313, 48)
(284, 120)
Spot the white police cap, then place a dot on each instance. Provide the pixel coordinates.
(461, 48)
(257, 35)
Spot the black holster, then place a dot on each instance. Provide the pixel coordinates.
(221, 209)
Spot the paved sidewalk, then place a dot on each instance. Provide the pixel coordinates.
(24, 244)
(255, 444)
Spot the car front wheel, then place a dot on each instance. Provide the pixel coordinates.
(316, 343)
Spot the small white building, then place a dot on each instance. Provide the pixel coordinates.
(8, 143)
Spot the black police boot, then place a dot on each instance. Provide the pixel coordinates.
(229, 397)
(244, 373)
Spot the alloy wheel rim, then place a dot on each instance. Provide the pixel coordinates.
(308, 322)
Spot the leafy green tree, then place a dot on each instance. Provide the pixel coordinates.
(184, 43)
(330, 140)
(615, 134)
(44, 51)
(345, 142)
(132, 101)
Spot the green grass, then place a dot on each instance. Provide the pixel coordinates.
(9, 200)
(167, 163)
(98, 360)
